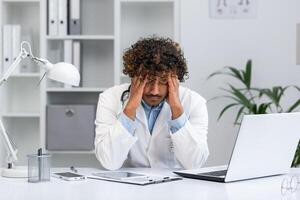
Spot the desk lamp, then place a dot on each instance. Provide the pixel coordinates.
(62, 72)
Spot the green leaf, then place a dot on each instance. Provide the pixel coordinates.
(226, 108)
(247, 74)
(275, 94)
(217, 73)
(239, 114)
(294, 106)
(296, 160)
(236, 74)
(242, 98)
(263, 108)
(230, 97)
(253, 109)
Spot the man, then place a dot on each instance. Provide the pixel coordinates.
(152, 122)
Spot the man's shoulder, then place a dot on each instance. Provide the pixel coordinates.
(116, 90)
(187, 93)
(112, 96)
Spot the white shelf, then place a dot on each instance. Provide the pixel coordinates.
(71, 152)
(147, 1)
(26, 75)
(75, 89)
(21, 1)
(81, 37)
(21, 115)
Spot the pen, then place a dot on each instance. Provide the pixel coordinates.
(40, 153)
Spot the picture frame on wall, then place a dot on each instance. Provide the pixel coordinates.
(232, 9)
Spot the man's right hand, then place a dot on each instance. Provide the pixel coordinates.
(136, 95)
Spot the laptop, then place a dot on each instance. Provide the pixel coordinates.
(265, 146)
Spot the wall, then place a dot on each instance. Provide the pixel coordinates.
(209, 44)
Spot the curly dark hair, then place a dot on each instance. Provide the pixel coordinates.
(155, 56)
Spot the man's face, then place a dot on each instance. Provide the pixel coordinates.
(155, 90)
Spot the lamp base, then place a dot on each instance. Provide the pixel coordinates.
(15, 172)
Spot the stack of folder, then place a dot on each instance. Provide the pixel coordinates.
(64, 17)
(72, 54)
(11, 46)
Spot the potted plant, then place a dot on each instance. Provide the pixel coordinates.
(254, 100)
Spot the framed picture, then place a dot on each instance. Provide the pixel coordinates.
(232, 9)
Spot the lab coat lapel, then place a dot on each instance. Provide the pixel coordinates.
(141, 116)
(144, 135)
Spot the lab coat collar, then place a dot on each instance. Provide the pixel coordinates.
(148, 107)
(141, 115)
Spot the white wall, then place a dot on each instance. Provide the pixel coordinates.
(209, 44)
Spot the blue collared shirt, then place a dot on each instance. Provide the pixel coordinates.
(152, 113)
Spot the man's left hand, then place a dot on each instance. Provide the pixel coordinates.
(173, 96)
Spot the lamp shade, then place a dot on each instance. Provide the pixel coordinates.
(65, 73)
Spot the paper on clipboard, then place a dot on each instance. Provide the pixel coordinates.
(132, 178)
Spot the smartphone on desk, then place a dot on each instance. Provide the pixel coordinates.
(69, 176)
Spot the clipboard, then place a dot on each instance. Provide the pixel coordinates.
(132, 178)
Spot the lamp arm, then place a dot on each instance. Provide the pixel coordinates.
(12, 152)
(23, 54)
(8, 144)
(43, 63)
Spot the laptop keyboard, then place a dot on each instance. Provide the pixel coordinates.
(215, 173)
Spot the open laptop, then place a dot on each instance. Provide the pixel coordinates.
(265, 146)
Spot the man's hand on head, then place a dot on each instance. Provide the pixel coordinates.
(136, 95)
(173, 96)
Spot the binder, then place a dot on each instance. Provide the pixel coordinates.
(53, 17)
(74, 20)
(77, 55)
(7, 47)
(68, 57)
(16, 42)
(62, 17)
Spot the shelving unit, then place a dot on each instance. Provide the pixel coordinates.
(26, 75)
(81, 37)
(86, 89)
(108, 28)
(21, 115)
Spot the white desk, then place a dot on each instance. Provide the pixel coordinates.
(265, 189)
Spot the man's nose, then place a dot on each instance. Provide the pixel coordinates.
(155, 88)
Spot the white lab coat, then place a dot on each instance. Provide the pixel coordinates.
(186, 148)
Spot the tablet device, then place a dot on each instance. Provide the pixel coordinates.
(118, 175)
(132, 178)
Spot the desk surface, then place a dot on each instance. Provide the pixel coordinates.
(265, 188)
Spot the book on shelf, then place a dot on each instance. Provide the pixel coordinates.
(77, 56)
(53, 17)
(74, 17)
(68, 55)
(72, 54)
(62, 17)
